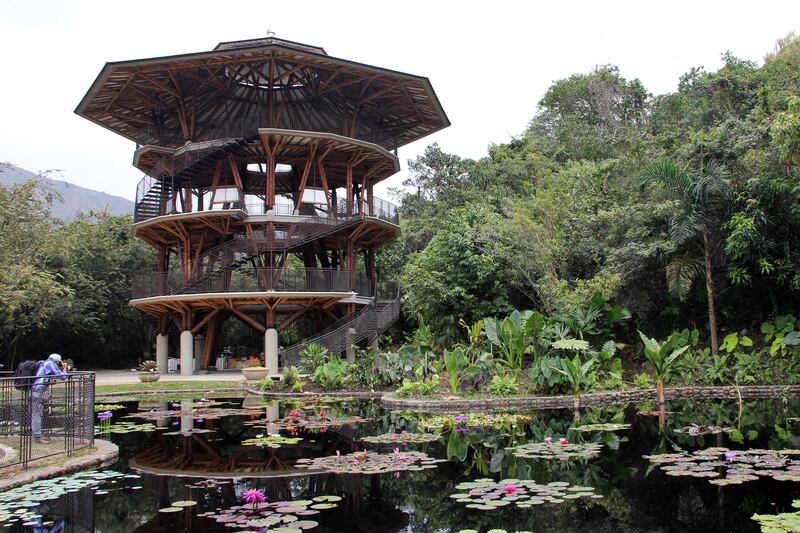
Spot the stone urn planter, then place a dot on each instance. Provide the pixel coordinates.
(149, 377)
(149, 372)
(255, 373)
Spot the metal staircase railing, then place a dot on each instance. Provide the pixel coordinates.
(369, 321)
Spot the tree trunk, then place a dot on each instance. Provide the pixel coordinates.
(712, 313)
(577, 407)
(661, 398)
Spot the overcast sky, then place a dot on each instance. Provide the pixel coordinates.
(490, 62)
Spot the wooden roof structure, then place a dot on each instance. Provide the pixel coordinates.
(240, 86)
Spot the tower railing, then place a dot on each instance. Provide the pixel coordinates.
(64, 411)
(251, 280)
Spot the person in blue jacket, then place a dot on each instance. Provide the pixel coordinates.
(40, 393)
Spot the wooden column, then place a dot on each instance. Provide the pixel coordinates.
(349, 176)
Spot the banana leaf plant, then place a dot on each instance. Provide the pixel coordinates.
(459, 367)
(662, 358)
(514, 336)
(576, 373)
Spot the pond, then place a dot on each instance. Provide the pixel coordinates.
(187, 465)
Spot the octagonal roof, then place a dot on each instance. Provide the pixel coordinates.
(240, 86)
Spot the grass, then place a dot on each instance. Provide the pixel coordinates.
(167, 386)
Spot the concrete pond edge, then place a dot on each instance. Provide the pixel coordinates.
(105, 453)
(589, 399)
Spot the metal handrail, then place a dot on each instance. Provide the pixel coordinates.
(67, 417)
(248, 280)
(370, 321)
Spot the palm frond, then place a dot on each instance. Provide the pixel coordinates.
(711, 184)
(668, 173)
(685, 224)
(681, 273)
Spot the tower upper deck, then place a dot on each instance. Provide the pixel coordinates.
(238, 87)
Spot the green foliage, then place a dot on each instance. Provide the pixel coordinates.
(662, 356)
(782, 335)
(332, 373)
(504, 384)
(458, 367)
(423, 387)
(576, 372)
(291, 376)
(266, 384)
(512, 336)
(732, 341)
(642, 380)
(313, 356)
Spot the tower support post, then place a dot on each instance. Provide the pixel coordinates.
(187, 353)
(162, 352)
(271, 350)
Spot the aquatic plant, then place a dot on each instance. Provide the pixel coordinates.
(404, 437)
(609, 426)
(487, 495)
(370, 463)
(697, 429)
(197, 412)
(471, 420)
(730, 467)
(271, 441)
(17, 505)
(277, 516)
(98, 407)
(778, 523)
(254, 497)
(561, 451)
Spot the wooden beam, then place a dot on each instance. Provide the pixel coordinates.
(248, 320)
(203, 322)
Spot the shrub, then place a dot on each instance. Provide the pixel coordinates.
(313, 356)
(504, 385)
(149, 366)
(642, 381)
(291, 376)
(252, 362)
(424, 387)
(331, 374)
(266, 384)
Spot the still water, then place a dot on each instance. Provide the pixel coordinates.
(161, 468)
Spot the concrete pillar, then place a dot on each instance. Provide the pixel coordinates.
(187, 422)
(163, 422)
(187, 353)
(271, 350)
(374, 344)
(273, 413)
(198, 351)
(162, 352)
(350, 351)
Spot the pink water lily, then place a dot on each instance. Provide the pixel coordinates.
(548, 440)
(510, 489)
(562, 441)
(254, 497)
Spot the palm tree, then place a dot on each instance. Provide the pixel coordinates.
(703, 196)
(662, 358)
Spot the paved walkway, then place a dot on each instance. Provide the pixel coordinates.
(121, 377)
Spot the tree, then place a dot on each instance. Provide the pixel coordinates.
(702, 198)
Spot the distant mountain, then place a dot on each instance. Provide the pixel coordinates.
(74, 198)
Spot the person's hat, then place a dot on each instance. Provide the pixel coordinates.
(55, 357)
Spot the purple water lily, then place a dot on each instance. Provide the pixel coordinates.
(104, 415)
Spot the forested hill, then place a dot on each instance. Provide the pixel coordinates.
(68, 198)
(682, 207)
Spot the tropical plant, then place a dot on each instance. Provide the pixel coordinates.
(642, 380)
(291, 376)
(458, 367)
(717, 370)
(781, 334)
(504, 384)
(149, 366)
(703, 196)
(662, 358)
(512, 337)
(266, 384)
(732, 341)
(576, 373)
(313, 356)
(423, 387)
(331, 374)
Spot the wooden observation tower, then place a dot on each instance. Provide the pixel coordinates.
(259, 160)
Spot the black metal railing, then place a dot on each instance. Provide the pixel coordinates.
(370, 321)
(65, 410)
(250, 280)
